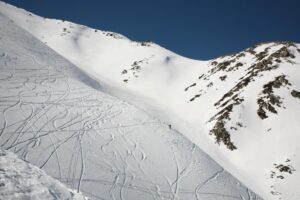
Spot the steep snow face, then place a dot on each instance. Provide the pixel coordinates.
(242, 109)
(58, 118)
(21, 180)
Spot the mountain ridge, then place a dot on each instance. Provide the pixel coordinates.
(55, 117)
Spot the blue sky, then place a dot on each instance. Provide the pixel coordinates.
(199, 29)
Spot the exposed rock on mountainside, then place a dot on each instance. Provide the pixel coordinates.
(261, 61)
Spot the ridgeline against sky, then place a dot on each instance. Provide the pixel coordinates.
(199, 29)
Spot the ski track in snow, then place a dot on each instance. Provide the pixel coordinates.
(93, 142)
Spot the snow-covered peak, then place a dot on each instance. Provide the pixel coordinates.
(236, 72)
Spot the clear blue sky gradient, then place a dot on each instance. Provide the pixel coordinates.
(199, 29)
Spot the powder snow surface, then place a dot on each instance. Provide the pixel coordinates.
(111, 110)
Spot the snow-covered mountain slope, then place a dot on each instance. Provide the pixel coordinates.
(21, 180)
(241, 109)
(55, 116)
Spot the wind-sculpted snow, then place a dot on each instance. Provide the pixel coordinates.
(56, 117)
(21, 180)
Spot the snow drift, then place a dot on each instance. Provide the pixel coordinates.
(21, 180)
